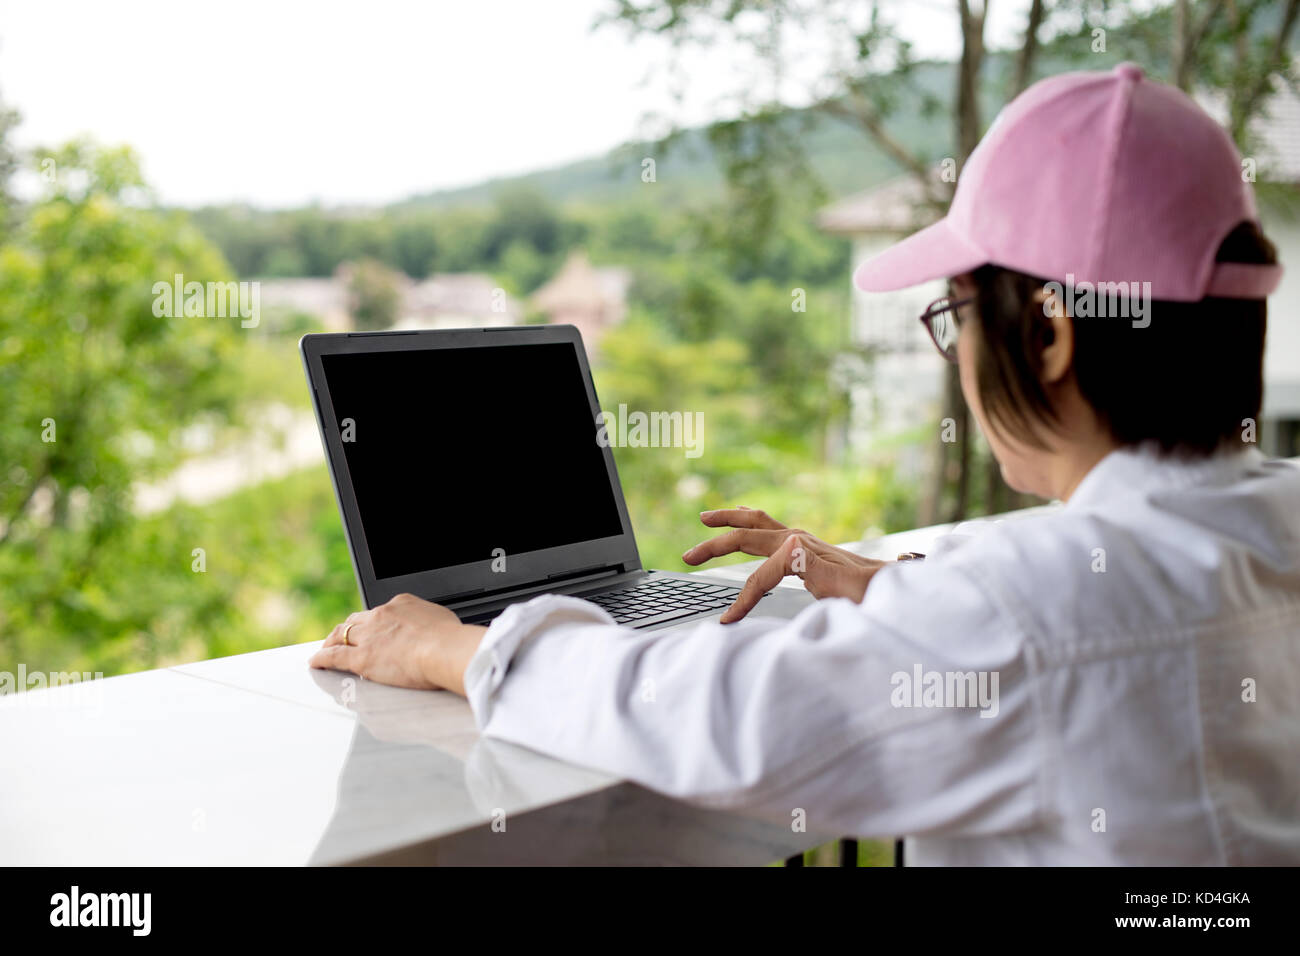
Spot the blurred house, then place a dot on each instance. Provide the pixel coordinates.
(593, 299)
(1275, 138)
(457, 300)
(448, 300)
(325, 299)
(902, 386)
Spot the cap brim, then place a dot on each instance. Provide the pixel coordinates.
(936, 252)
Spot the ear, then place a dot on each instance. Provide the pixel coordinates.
(1058, 337)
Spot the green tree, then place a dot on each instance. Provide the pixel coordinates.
(374, 294)
(415, 245)
(524, 267)
(96, 387)
(9, 160)
(522, 213)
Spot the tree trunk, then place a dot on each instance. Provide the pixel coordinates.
(954, 457)
(1025, 62)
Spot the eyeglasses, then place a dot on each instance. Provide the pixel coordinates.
(942, 322)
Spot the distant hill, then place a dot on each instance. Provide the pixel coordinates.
(844, 158)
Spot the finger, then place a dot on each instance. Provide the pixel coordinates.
(756, 586)
(354, 619)
(823, 578)
(339, 657)
(768, 576)
(740, 518)
(758, 542)
(837, 557)
(749, 541)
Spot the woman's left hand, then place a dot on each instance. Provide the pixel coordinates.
(826, 571)
(408, 642)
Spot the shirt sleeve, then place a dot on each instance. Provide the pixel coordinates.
(869, 719)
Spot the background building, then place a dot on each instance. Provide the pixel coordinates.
(593, 299)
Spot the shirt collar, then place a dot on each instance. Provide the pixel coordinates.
(1142, 468)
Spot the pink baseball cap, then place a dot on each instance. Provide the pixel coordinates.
(1106, 176)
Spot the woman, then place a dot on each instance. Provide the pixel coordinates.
(1117, 681)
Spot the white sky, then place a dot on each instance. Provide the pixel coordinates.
(280, 103)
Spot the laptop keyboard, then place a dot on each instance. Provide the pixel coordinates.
(662, 600)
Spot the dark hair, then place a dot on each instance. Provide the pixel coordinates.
(1185, 382)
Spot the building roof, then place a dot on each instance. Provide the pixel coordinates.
(471, 298)
(313, 295)
(579, 285)
(899, 206)
(457, 293)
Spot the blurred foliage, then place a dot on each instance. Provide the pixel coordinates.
(9, 163)
(374, 294)
(522, 239)
(96, 390)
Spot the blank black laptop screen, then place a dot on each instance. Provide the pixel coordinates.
(456, 452)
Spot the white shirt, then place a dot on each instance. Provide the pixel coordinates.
(1144, 639)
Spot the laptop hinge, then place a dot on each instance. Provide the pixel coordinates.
(595, 571)
(472, 598)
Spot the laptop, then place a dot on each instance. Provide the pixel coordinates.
(468, 471)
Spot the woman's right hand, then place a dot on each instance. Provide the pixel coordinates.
(827, 571)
